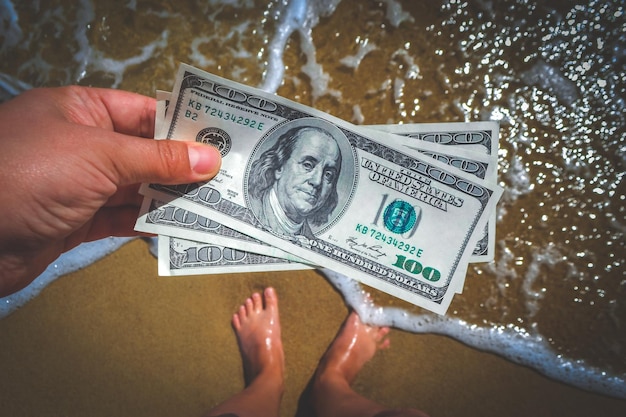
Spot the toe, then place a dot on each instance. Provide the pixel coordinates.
(382, 332)
(236, 322)
(271, 299)
(381, 338)
(257, 302)
(241, 313)
(384, 344)
(249, 306)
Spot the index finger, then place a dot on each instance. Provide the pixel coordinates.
(130, 113)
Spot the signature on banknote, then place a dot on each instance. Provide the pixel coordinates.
(364, 249)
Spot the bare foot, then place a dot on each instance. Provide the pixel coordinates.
(355, 344)
(257, 327)
(330, 392)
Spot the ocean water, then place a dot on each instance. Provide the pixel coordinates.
(554, 298)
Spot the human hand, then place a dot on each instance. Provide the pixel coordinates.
(72, 159)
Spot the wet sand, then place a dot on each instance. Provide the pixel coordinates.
(116, 339)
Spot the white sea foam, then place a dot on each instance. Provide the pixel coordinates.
(117, 67)
(9, 25)
(301, 16)
(357, 115)
(353, 61)
(516, 344)
(197, 57)
(74, 260)
(11, 86)
(549, 257)
(395, 14)
(81, 25)
(290, 19)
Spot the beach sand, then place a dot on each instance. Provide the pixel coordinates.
(115, 339)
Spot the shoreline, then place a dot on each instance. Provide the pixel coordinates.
(116, 337)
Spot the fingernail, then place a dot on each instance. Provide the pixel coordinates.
(204, 159)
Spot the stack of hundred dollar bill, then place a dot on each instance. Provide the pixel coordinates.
(401, 208)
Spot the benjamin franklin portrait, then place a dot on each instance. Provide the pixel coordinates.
(292, 186)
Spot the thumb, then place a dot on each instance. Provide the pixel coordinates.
(165, 161)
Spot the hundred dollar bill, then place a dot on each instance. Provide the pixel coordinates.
(433, 139)
(315, 186)
(185, 257)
